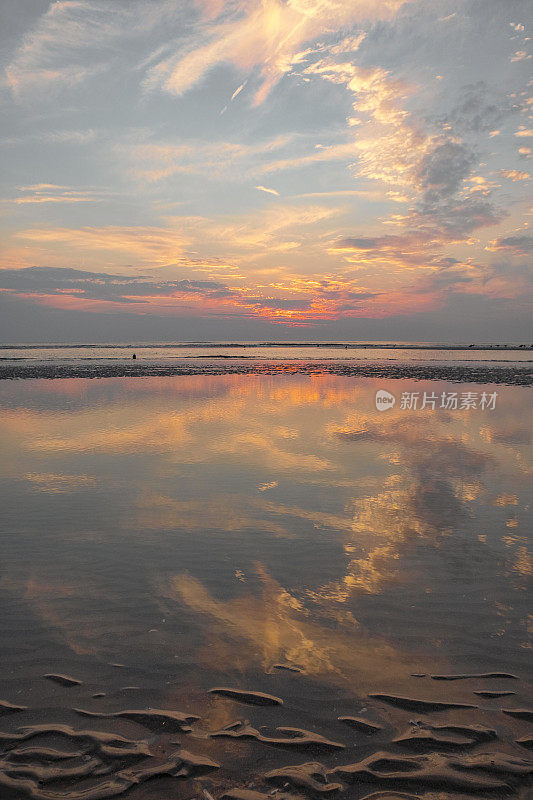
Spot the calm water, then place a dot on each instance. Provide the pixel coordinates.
(204, 531)
(166, 354)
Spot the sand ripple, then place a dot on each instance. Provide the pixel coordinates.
(447, 751)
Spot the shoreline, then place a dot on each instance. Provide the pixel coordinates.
(513, 376)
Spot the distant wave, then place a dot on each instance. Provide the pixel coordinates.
(251, 345)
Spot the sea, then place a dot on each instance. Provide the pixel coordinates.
(263, 571)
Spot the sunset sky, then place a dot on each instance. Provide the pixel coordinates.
(279, 169)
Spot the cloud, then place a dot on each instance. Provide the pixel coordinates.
(39, 187)
(237, 91)
(521, 244)
(91, 291)
(442, 172)
(280, 227)
(455, 219)
(263, 34)
(72, 288)
(368, 193)
(430, 278)
(50, 280)
(148, 244)
(266, 189)
(76, 40)
(24, 80)
(386, 147)
(60, 137)
(390, 146)
(480, 109)
(154, 161)
(53, 199)
(41, 193)
(345, 151)
(515, 175)
(354, 243)
(363, 108)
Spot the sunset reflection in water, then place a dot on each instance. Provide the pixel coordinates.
(220, 526)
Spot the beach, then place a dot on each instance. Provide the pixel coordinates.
(251, 581)
(266, 419)
(481, 363)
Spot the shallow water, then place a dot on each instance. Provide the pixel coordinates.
(166, 353)
(164, 536)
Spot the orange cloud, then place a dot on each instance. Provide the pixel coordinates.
(266, 33)
(515, 175)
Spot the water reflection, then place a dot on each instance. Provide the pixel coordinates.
(267, 520)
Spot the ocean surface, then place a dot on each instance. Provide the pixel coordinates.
(269, 584)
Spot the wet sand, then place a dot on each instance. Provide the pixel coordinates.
(497, 373)
(471, 752)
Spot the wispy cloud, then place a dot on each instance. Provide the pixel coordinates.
(51, 193)
(155, 161)
(75, 40)
(515, 175)
(238, 91)
(264, 34)
(148, 245)
(267, 190)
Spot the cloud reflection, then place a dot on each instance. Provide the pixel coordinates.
(276, 513)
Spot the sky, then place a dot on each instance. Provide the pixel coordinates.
(279, 169)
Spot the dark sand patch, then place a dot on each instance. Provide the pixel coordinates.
(519, 713)
(390, 796)
(294, 737)
(251, 794)
(63, 680)
(480, 675)
(478, 733)
(413, 704)
(248, 697)
(10, 708)
(106, 744)
(360, 724)
(494, 763)
(45, 753)
(311, 776)
(288, 667)
(437, 771)
(155, 719)
(526, 741)
(423, 738)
